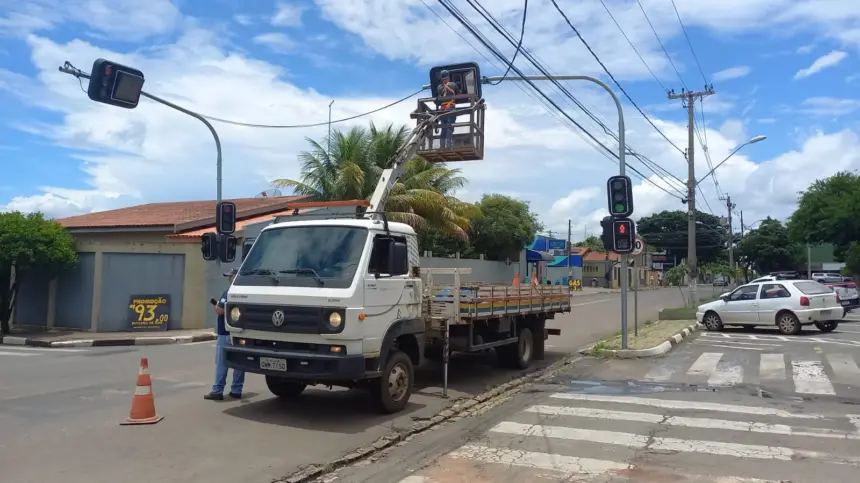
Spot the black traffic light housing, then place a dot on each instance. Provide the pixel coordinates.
(227, 248)
(209, 246)
(225, 218)
(606, 233)
(115, 84)
(620, 196)
(623, 235)
(466, 75)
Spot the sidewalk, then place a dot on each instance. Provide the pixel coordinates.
(68, 338)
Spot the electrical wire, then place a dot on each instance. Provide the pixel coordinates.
(692, 50)
(661, 44)
(318, 124)
(623, 91)
(519, 44)
(633, 46)
(454, 11)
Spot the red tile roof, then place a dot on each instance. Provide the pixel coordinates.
(175, 216)
(593, 256)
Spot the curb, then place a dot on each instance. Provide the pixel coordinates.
(658, 350)
(460, 408)
(58, 344)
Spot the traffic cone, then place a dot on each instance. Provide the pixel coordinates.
(143, 404)
(534, 279)
(516, 279)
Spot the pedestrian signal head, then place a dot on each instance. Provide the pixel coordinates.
(623, 235)
(225, 217)
(467, 76)
(115, 84)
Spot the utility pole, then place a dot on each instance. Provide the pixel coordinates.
(730, 207)
(329, 128)
(569, 270)
(742, 223)
(688, 99)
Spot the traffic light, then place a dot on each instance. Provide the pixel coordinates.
(225, 218)
(623, 235)
(115, 84)
(227, 248)
(620, 193)
(209, 246)
(606, 234)
(467, 76)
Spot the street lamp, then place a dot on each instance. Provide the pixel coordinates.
(751, 141)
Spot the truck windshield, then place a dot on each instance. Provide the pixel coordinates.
(304, 256)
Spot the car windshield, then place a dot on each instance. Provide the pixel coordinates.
(845, 292)
(812, 288)
(304, 256)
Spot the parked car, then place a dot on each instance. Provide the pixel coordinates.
(721, 281)
(824, 277)
(848, 295)
(787, 304)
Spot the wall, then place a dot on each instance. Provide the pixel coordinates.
(74, 294)
(482, 270)
(33, 299)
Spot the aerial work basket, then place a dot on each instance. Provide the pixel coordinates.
(459, 140)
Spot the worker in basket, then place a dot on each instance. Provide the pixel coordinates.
(445, 100)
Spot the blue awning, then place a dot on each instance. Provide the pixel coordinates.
(561, 261)
(536, 256)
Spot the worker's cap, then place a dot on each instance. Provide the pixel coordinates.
(443, 74)
(231, 272)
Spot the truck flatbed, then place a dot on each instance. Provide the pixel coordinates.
(483, 301)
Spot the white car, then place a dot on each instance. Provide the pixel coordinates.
(787, 304)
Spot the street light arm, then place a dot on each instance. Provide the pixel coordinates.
(721, 162)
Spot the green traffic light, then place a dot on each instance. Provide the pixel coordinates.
(619, 208)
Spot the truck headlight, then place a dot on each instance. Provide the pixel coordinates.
(334, 320)
(235, 314)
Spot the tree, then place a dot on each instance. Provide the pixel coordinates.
(667, 231)
(829, 212)
(422, 198)
(852, 260)
(675, 276)
(768, 248)
(29, 243)
(593, 243)
(503, 228)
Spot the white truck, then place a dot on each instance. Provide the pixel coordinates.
(342, 301)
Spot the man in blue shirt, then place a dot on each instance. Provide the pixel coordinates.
(217, 393)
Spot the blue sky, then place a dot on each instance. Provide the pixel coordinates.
(785, 69)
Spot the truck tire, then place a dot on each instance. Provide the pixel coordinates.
(519, 355)
(539, 337)
(390, 393)
(283, 388)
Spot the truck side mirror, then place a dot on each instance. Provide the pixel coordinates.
(398, 258)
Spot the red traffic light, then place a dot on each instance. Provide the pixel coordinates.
(108, 70)
(622, 229)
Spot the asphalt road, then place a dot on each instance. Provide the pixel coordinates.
(60, 408)
(738, 406)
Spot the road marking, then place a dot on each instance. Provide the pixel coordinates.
(416, 479)
(851, 343)
(848, 331)
(687, 422)
(643, 441)
(732, 347)
(589, 303)
(757, 344)
(809, 378)
(687, 405)
(20, 354)
(660, 374)
(42, 349)
(772, 366)
(726, 374)
(543, 461)
(844, 367)
(706, 364)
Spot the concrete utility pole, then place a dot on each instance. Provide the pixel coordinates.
(688, 99)
(569, 269)
(742, 223)
(730, 207)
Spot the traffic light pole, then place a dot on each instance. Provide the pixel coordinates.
(71, 70)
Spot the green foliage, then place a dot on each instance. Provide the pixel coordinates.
(829, 212)
(852, 259)
(503, 228)
(676, 275)
(769, 248)
(28, 243)
(667, 231)
(593, 243)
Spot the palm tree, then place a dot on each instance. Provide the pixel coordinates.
(422, 198)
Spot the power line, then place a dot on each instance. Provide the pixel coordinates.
(633, 46)
(519, 44)
(593, 54)
(684, 29)
(488, 44)
(661, 43)
(454, 11)
(296, 126)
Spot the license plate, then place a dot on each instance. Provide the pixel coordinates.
(824, 313)
(272, 364)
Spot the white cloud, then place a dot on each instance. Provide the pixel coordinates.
(732, 73)
(288, 15)
(825, 61)
(276, 41)
(829, 106)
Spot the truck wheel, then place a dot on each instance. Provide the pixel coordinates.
(519, 355)
(391, 392)
(539, 337)
(283, 388)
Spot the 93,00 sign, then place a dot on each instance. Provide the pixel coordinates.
(149, 312)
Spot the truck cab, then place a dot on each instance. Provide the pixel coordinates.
(326, 302)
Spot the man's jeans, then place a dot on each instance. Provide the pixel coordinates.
(221, 369)
(447, 138)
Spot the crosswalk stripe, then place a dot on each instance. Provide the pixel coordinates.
(643, 441)
(660, 374)
(21, 354)
(726, 346)
(772, 367)
(726, 374)
(844, 367)
(706, 364)
(542, 461)
(688, 422)
(810, 378)
(686, 405)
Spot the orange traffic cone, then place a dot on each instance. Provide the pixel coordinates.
(516, 279)
(143, 404)
(534, 279)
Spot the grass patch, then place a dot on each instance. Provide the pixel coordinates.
(651, 334)
(685, 313)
